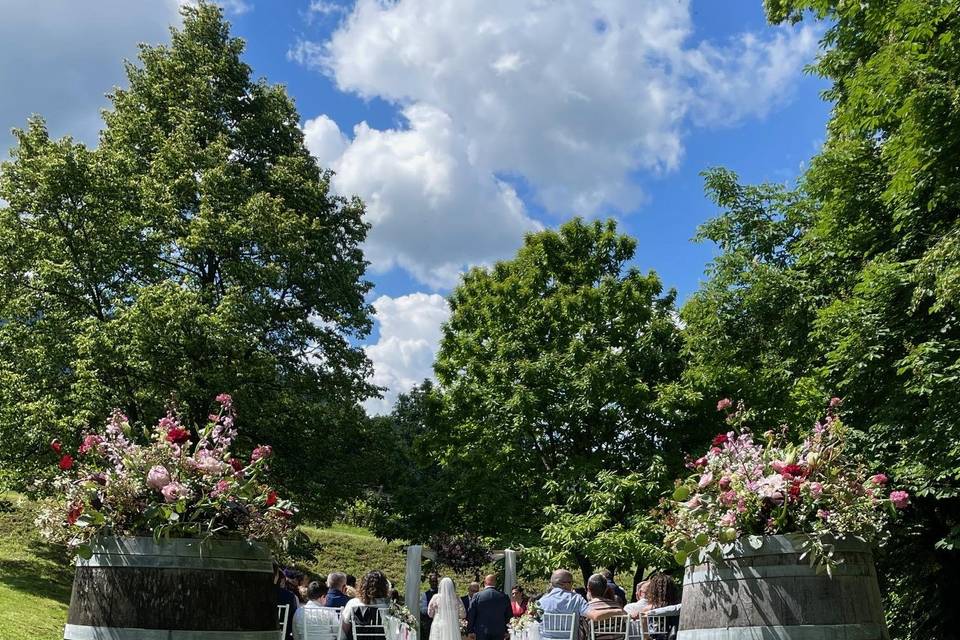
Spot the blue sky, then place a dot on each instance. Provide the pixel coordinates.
(465, 123)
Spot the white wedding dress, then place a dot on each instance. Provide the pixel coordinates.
(447, 612)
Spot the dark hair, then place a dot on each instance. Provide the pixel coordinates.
(581, 591)
(597, 585)
(608, 574)
(662, 591)
(351, 580)
(373, 586)
(316, 590)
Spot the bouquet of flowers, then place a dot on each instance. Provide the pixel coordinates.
(404, 615)
(534, 613)
(170, 481)
(745, 487)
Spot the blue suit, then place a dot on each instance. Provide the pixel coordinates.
(489, 615)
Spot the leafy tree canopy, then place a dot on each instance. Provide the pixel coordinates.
(197, 249)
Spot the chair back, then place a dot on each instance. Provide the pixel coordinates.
(367, 623)
(559, 626)
(662, 623)
(612, 628)
(635, 632)
(320, 623)
(283, 614)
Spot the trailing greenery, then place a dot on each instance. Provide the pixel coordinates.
(198, 249)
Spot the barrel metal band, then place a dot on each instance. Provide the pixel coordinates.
(864, 631)
(86, 632)
(176, 562)
(715, 573)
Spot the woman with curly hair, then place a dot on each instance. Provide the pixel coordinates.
(661, 591)
(365, 611)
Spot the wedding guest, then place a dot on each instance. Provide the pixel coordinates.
(316, 599)
(472, 590)
(661, 592)
(284, 597)
(351, 589)
(488, 617)
(396, 597)
(634, 609)
(600, 606)
(618, 593)
(373, 595)
(562, 598)
(518, 601)
(336, 582)
(582, 591)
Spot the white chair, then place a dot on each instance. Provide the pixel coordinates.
(636, 630)
(367, 624)
(320, 623)
(660, 622)
(559, 626)
(283, 610)
(612, 628)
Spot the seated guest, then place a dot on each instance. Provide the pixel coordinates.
(618, 593)
(661, 592)
(562, 598)
(373, 595)
(472, 589)
(518, 601)
(316, 599)
(582, 592)
(336, 582)
(297, 583)
(351, 588)
(635, 608)
(284, 597)
(601, 606)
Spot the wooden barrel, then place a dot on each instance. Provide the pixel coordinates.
(762, 590)
(179, 589)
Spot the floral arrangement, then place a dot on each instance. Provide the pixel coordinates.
(462, 552)
(404, 615)
(170, 481)
(534, 613)
(743, 487)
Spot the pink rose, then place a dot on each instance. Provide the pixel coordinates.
(725, 482)
(879, 479)
(225, 400)
(706, 479)
(728, 519)
(724, 404)
(778, 465)
(900, 499)
(693, 502)
(174, 491)
(90, 442)
(207, 463)
(728, 497)
(222, 487)
(262, 452)
(816, 489)
(158, 477)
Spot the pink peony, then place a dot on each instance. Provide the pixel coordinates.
(206, 463)
(900, 499)
(174, 491)
(879, 479)
(158, 477)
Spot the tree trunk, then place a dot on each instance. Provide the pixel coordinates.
(586, 567)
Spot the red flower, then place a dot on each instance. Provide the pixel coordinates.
(56, 446)
(66, 462)
(178, 435)
(271, 498)
(236, 464)
(793, 471)
(74, 514)
(720, 439)
(795, 489)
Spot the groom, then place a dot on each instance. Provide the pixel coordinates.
(490, 613)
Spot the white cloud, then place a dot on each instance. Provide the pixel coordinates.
(61, 56)
(324, 140)
(433, 212)
(409, 335)
(574, 98)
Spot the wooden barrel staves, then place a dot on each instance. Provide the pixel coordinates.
(762, 590)
(179, 589)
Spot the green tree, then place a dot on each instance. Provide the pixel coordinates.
(197, 249)
(864, 304)
(550, 368)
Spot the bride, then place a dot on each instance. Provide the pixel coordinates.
(447, 611)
